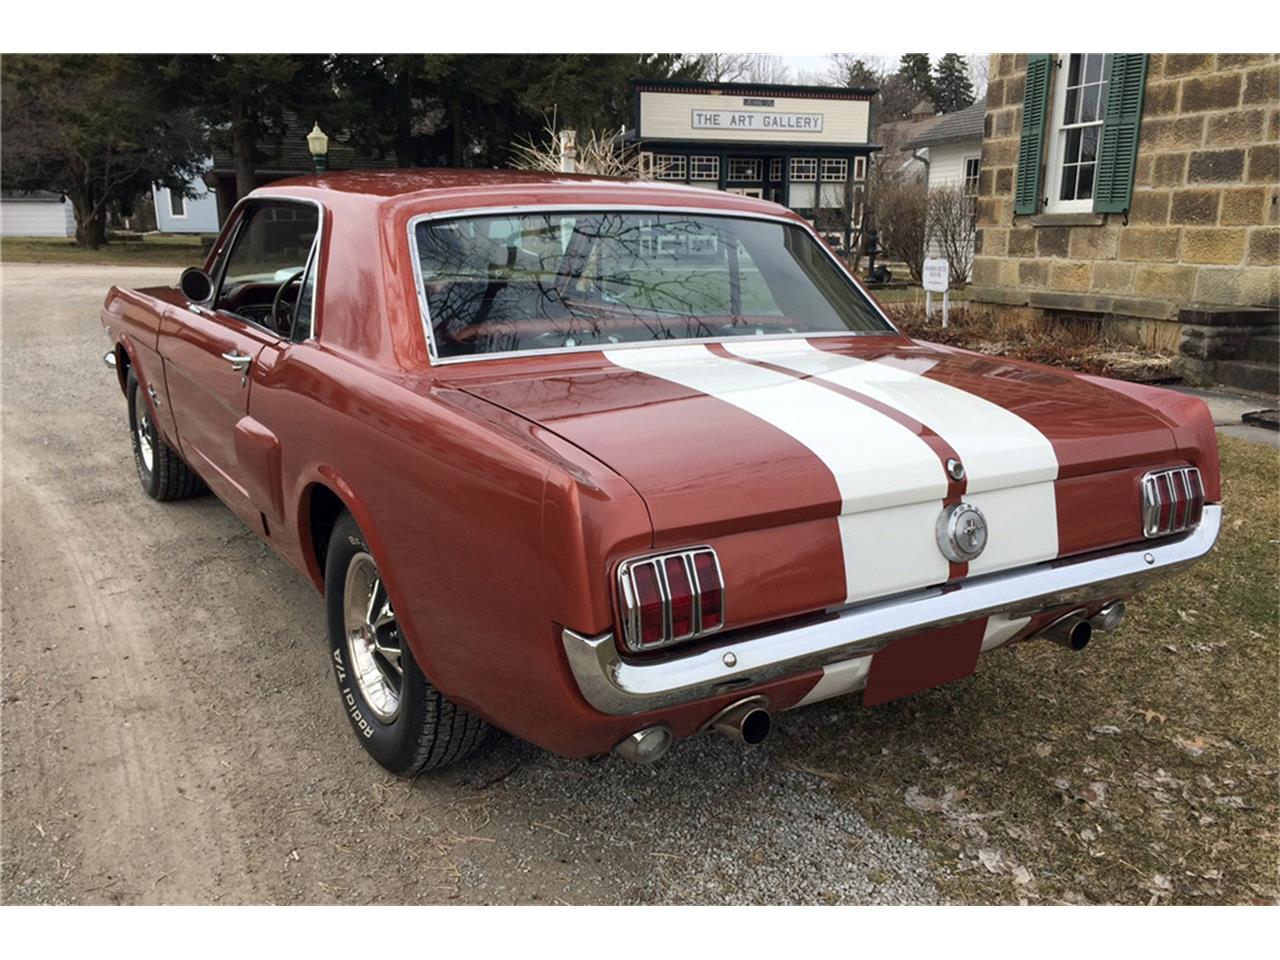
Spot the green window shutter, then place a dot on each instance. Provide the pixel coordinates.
(1035, 101)
(1118, 153)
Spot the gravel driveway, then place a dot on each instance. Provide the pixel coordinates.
(171, 732)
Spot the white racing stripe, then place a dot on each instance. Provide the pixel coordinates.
(890, 482)
(1010, 466)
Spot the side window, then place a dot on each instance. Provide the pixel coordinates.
(304, 313)
(271, 248)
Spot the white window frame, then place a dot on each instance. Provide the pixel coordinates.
(646, 165)
(840, 165)
(712, 165)
(859, 168)
(775, 170)
(738, 165)
(1056, 131)
(809, 164)
(670, 166)
(173, 195)
(968, 183)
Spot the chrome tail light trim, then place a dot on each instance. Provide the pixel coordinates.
(629, 597)
(1179, 491)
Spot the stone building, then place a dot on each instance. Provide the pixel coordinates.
(1143, 189)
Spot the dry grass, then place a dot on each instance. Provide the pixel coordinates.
(153, 250)
(1141, 770)
(1077, 343)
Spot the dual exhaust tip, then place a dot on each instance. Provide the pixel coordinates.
(1074, 631)
(748, 721)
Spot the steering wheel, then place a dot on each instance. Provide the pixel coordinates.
(275, 302)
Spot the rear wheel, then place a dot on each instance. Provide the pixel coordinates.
(402, 720)
(163, 474)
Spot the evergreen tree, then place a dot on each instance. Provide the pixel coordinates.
(914, 70)
(952, 89)
(859, 74)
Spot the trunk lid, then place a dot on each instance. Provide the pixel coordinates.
(765, 432)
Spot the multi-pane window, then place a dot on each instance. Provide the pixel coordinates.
(1080, 103)
(744, 169)
(704, 168)
(971, 165)
(669, 166)
(804, 169)
(775, 169)
(835, 170)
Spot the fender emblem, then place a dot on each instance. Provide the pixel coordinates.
(962, 532)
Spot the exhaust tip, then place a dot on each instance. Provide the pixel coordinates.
(1080, 635)
(645, 746)
(1109, 617)
(746, 721)
(1072, 631)
(755, 726)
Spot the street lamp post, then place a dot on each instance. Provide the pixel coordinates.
(318, 144)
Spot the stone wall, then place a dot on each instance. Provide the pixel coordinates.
(1204, 224)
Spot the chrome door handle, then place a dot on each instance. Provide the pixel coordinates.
(239, 361)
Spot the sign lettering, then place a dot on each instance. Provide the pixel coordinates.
(758, 121)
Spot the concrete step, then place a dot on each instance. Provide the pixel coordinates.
(1263, 348)
(1259, 376)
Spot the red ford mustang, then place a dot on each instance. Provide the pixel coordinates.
(604, 464)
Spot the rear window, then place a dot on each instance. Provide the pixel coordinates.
(547, 281)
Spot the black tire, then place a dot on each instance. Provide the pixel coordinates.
(167, 477)
(425, 731)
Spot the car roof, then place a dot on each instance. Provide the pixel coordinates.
(438, 190)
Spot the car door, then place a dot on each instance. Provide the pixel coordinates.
(209, 349)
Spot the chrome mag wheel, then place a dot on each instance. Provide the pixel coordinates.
(373, 638)
(142, 417)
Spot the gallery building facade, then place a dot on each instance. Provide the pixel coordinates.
(805, 147)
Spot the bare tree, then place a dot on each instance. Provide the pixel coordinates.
(600, 153)
(950, 226)
(979, 72)
(743, 68)
(858, 69)
(901, 217)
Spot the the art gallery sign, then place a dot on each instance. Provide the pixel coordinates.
(757, 121)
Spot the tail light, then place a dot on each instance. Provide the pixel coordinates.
(1172, 501)
(670, 598)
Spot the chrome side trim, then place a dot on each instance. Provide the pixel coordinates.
(617, 686)
(637, 206)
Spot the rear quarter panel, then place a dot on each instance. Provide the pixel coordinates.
(486, 532)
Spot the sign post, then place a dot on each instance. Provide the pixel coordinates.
(935, 278)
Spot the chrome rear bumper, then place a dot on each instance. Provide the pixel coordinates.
(618, 686)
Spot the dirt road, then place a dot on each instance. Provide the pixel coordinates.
(171, 733)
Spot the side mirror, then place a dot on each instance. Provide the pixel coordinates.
(196, 285)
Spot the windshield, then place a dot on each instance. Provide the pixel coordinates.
(539, 281)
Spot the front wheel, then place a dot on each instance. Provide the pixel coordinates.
(402, 720)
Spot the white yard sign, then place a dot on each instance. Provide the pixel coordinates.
(936, 277)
